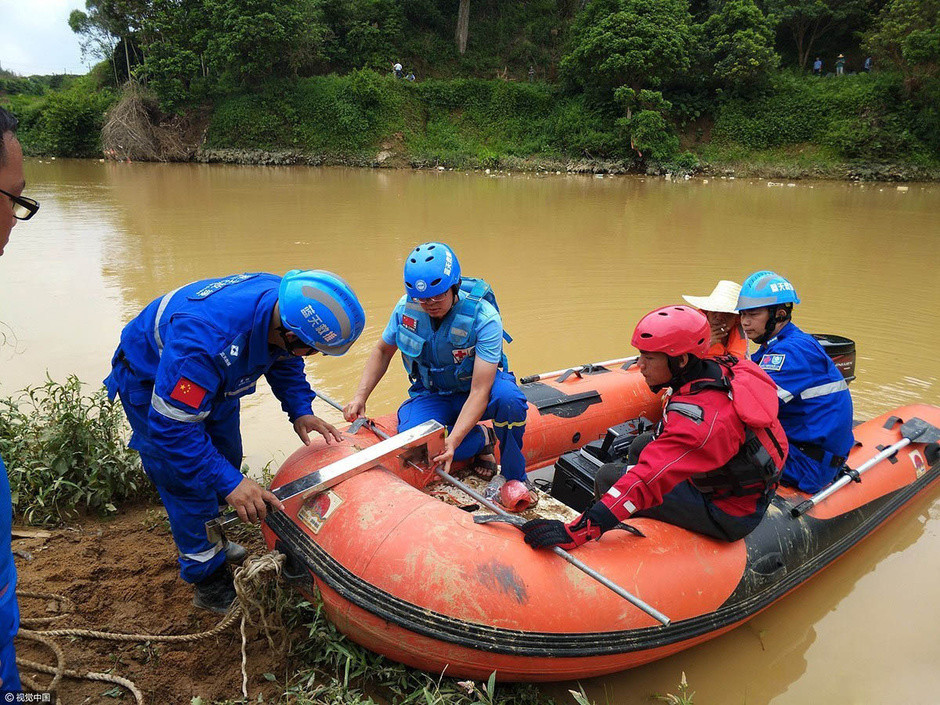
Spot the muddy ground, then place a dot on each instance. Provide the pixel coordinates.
(122, 575)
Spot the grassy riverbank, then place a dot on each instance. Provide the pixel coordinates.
(850, 127)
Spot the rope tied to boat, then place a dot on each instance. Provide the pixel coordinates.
(249, 609)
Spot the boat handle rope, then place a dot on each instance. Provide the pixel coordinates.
(583, 567)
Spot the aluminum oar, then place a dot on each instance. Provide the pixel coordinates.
(914, 431)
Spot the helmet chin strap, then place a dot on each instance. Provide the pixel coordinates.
(292, 346)
(680, 375)
(773, 320)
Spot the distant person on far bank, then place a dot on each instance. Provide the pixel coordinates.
(815, 404)
(867, 64)
(531, 74)
(396, 67)
(410, 76)
(840, 65)
(719, 307)
(13, 207)
(817, 67)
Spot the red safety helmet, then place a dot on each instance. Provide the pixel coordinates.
(674, 330)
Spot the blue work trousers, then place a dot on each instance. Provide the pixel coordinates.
(189, 505)
(806, 474)
(9, 625)
(507, 409)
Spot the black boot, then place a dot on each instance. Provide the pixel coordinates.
(235, 553)
(217, 592)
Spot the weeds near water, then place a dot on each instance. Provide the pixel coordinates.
(66, 452)
(333, 670)
(684, 696)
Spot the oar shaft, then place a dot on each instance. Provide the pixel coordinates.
(805, 506)
(556, 373)
(606, 582)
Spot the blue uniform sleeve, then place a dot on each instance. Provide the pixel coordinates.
(792, 368)
(389, 335)
(186, 385)
(489, 347)
(290, 386)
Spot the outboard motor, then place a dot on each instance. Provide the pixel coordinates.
(842, 352)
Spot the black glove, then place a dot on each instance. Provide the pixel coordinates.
(544, 533)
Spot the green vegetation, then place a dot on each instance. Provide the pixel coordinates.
(671, 84)
(65, 451)
(332, 669)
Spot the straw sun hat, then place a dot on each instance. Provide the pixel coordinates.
(724, 298)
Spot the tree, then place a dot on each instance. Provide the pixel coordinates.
(636, 43)
(906, 36)
(463, 25)
(738, 45)
(810, 20)
(107, 22)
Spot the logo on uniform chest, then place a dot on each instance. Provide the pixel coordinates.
(410, 323)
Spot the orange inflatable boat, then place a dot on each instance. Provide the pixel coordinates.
(416, 579)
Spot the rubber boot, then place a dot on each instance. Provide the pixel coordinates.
(217, 592)
(235, 553)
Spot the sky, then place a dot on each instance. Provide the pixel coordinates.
(35, 37)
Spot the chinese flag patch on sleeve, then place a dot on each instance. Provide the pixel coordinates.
(188, 392)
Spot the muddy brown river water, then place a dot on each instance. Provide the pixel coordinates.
(575, 262)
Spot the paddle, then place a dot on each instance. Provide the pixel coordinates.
(584, 568)
(914, 431)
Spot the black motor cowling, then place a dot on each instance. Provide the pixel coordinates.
(842, 352)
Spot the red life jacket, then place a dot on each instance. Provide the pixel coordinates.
(756, 467)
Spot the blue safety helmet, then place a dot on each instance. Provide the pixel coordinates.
(765, 289)
(431, 269)
(321, 309)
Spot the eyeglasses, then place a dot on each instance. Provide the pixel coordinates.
(23, 208)
(433, 299)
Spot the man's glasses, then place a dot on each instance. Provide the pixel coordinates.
(427, 301)
(23, 208)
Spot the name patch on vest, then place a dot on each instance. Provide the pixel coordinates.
(409, 323)
(772, 362)
(461, 355)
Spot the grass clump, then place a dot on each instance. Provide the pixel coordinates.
(66, 452)
(332, 669)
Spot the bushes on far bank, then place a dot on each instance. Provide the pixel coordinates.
(865, 117)
(64, 123)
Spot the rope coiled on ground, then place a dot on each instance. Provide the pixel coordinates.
(249, 608)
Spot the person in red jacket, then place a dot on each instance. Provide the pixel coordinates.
(713, 463)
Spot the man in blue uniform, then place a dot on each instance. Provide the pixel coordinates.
(181, 367)
(13, 207)
(815, 404)
(450, 335)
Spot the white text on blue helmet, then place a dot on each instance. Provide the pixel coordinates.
(448, 263)
(782, 286)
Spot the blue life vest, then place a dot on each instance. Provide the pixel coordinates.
(442, 360)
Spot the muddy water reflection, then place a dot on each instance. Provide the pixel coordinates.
(576, 261)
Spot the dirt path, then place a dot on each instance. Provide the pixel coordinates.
(122, 575)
